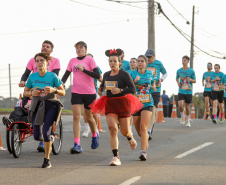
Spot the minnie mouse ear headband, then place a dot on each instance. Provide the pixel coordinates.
(113, 52)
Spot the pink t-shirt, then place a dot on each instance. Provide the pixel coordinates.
(54, 64)
(82, 83)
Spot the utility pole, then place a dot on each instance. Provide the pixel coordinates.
(151, 24)
(192, 39)
(10, 92)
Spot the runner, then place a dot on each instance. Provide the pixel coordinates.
(133, 65)
(217, 93)
(144, 80)
(223, 83)
(206, 81)
(87, 129)
(124, 64)
(118, 104)
(43, 86)
(83, 91)
(156, 67)
(53, 66)
(185, 77)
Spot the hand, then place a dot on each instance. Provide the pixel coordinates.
(179, 84)
(80, 67)
(99, 91)
(63, 85)
(115, 90)
(154, 88)
(159, 82)
(22, 84)
(208, 79)
(35, 92)
(137, 78)
(217, 78)
(49, 90)
(188, 79)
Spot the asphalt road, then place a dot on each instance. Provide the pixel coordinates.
(176, 155)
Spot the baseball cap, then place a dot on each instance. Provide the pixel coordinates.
(82, 43)
(150, 53)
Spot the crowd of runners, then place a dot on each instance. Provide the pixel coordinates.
(132, 96)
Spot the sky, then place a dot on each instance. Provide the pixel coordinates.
(103, 25)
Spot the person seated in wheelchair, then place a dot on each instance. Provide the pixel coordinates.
(45, 108)
(20, 112)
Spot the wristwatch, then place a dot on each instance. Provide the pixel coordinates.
(56, 91)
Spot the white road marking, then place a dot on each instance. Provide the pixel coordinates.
(131, 181)
(193, 150)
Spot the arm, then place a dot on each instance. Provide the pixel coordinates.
(94, 74)
(164, 77)
(56, 71)
(24, 77)
(130, 84)
(59, 91)
(178, 82)
(65, 77)
(101, 78)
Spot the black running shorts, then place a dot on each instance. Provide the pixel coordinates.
(186, 97)
(85, 99)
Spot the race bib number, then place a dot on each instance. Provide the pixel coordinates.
(144, 98)
(216, 88)
(152, 69)
(185, 86)
(110, 84)
(208, 85)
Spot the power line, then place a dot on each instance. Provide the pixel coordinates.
(180, 31)
(187, 22)
(123, 2)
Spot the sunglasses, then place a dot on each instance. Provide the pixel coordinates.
(209, 65)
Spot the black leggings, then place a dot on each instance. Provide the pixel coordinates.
(44, 131)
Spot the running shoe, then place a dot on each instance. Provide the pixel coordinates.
(188, 124)
(214, 121)
(207, 116)
(149, 135)
(132, 143)
(6, 121)
(76, 149)
(41, 147)
(86, 132)
(115, 161)
(46, 163)
(221, 121)
(182, 121)
(95, 142)
(212, 117)
(143, 155)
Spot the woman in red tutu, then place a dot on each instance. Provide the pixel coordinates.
(118, 104)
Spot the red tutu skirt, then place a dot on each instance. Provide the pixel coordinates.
(122, 106)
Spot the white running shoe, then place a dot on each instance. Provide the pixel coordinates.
(86, 132)
(115, 161)
(182, 121)
(133, 143)
(188, 124)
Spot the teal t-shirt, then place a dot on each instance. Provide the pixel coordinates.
(125, 65)
(223, 81)
(49, 79)
(208, 85)
(156, 67)
(143, 87)
(95, 80)
(216, 83)
(186, 87)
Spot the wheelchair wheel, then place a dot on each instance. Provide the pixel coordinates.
(57, 132)
(8, 140)
(15, 141)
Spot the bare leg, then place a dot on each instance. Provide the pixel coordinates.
(76, 109)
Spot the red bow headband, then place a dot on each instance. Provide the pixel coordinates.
(113, 52)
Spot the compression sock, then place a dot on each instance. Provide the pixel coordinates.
(77, 140)
(94, 134)
(115, 153)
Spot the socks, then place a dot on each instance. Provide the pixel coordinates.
(77, 140)
(221, 115)
(115, 153)
(215, 116)
(182, 114)
(94, 134)
(187, 118)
